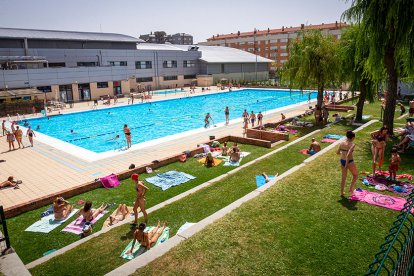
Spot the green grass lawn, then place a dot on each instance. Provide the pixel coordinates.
(31, 246)
(101, 254)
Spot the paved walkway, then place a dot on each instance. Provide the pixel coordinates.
(45, 170)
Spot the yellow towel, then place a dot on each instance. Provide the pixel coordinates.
(216, 161)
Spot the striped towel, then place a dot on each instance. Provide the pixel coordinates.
(76, 227)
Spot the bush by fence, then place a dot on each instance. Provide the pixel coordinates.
(21, 107)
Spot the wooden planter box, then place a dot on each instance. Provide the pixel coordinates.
(266, 135)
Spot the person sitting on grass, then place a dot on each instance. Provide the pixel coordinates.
(314, 147)
(224, 149)
(9, 183)
(121, 213)
(89, 214)
(209, 162)
(235, 153)
(61, 208)
(146, 239)
(394, 163)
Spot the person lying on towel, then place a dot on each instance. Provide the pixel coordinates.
(120, 214)
(146, 239)
(62, 208)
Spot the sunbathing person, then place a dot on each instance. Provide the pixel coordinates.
(235, 154)
(89, 214)
(267, 179)
(9, 183)
(146, 239)
(314, 147)
(120, 214)
(209, 162)
(224, 149)
(61, 208)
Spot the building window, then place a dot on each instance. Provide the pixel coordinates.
(45, 89)
(147, 79)
(57, 64)
(283, 54)
(170, 78)
(189, 63)
(283, 40)
(102, 84)
(143, 64)
(169, 64)
(222, 68)
(118, 63)
(190, 77)
(87, 64)
(283, 47)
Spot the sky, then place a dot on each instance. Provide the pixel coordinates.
(202, 19)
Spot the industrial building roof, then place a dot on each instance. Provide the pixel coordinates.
(65, 35)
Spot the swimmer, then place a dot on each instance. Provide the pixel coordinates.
(38, 127)
(26, 123)
(73, 132)
(114, 138)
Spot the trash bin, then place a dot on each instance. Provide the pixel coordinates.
(212, 137)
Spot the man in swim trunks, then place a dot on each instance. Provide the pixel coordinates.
(411, 110)
(19, 134)
(127, 133)
(252, 118)
(207, 120)
(314, 147)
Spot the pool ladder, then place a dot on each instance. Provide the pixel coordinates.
(120, 146)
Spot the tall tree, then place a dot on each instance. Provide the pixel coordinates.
(390, 30)
(355, 67)
(312, 60)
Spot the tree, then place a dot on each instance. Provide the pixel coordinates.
(389, 28)
(312, 60)
(355, 67)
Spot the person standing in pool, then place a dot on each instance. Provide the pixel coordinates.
(227, 113)
(260, 119)
(127, 133)
(207, 120)
(252, 118)
(30, 133)
(346, 150)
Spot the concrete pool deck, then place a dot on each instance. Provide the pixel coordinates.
(46, 170)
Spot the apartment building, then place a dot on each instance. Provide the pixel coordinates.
(161, 37)
(271, 43)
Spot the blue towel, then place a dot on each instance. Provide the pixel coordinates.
(333, 136)
(169, 179)
(260, 180)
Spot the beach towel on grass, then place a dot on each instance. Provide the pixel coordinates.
(405, 187)
(231, 163)
(216, 161)
(328, 140)
(48, 223)
(304, 151)
(76, 227)
(260, 180)
(110, 181)
(138, 249)
(130, 215)
(169, 179)
(333, 136)
(386, 201)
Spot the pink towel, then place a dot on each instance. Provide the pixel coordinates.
(110, 181)
(304, 151)
(76, 227)
(386, 201)
(327, 140)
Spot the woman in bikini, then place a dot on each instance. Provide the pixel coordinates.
(379, 139)
(30, 133)
(147, 239)
(10, 139)
(127, 132)
(89, 214)
(120, 214)
(140, 200)
(61, 208)
(346, 149)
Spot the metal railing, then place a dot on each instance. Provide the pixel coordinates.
(4, 238)
(396, 254)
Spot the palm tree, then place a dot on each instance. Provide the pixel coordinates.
(312, 60)
(389, 28)
(355, 67)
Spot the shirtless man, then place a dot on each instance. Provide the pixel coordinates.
(207, 120)
(411, 110)
(19, 134)
(314, 147)
(245, 114)
(252, 118)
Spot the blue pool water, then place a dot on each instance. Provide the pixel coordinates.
(150, 121)
(166, 92)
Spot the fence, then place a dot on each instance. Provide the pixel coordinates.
(396, 254)
(4, 238)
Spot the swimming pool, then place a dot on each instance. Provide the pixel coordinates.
(166, 92)
(148, 121)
